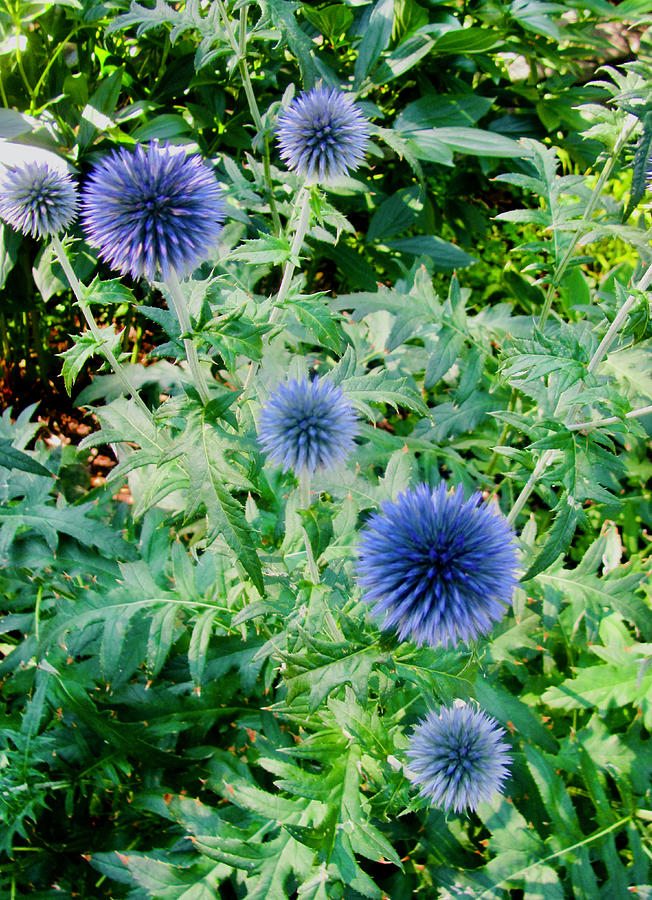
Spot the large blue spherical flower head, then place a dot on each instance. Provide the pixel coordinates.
(457, 757)
(37, 199)
(307, 425)
(322, 135)
(152, 211)
(438, 567)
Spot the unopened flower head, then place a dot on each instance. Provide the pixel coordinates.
(37, 199)
(152, 211)
(322, 134)
(307, 425)
(457, 757)
(439, 568)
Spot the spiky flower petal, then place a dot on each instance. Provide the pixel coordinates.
(37, 199)
(457, 757)
(322, 134)
(152, 211)
(438, 567)
(307, 425)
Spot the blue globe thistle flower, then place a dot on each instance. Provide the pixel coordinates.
(307, 425)
(457, 757)
(322, 135)
(37, 199)
(440, 569)
(152, 211)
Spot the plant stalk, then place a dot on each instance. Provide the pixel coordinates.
(108, 354)
(524, 496)
(304, 500)
(181, 309)
(239, 47)
(592, 424)
(616, 325)
(303, 223)
(590, 207)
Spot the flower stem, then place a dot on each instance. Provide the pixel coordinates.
(304, 500)
(303, 223)
(78, 291)
(592, 424)
(524, 496)
(623, 137)
(615, 326)
(239, 47)
(181, 309)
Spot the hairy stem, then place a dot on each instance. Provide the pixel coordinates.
(303, 223)
(588, 212)
(106, 351)
(304, 500)
(181, 309)
(239, 47)
(592, 424)
(616, 325)
(524, 496)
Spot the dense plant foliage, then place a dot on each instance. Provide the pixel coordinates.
(374, 615)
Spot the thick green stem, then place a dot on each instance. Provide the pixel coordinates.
(304, 500)
(588, 212)
(106, 351)
(303, 223)
(181, 309)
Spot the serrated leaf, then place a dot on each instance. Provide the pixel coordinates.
(159, 641)
(262, 250)
(10, 458)
(48, 521)
(320, 323)
(568, 514)
(81, 351)
(383, 387)
(447, 349)
(225, 515)
(201, 633)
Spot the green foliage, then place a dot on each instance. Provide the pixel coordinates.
(196, 704)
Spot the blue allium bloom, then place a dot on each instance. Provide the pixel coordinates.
(440, 569)
(152, 211)
(322, 135)
(457, 758)
(307, 425)
(37, 199)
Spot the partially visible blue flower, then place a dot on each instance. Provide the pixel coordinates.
(307, 425)
(322, 135)
(37, 199)
(457, 758)
(439, 568)
(152, 211)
